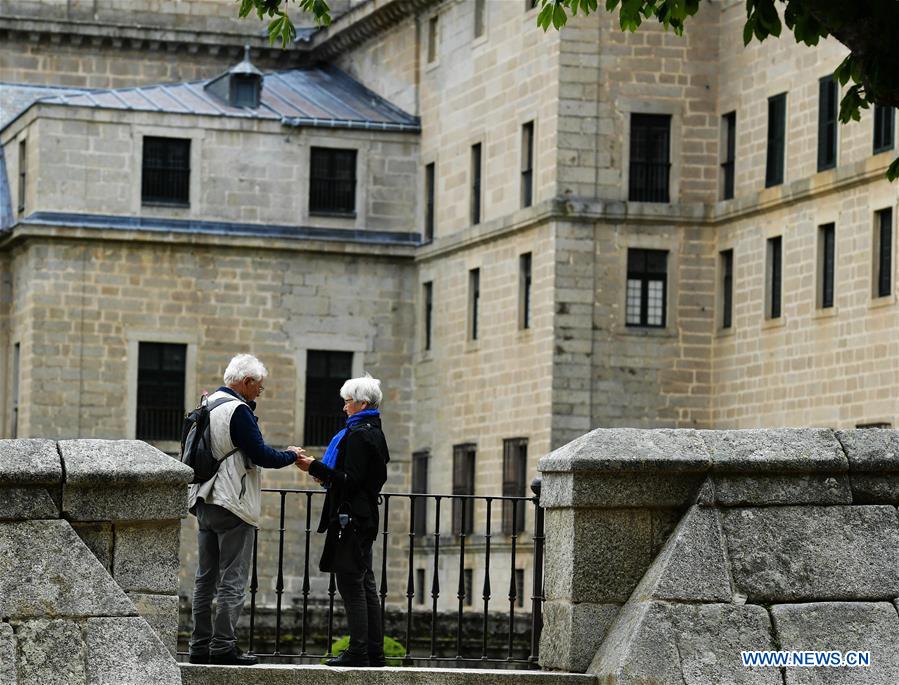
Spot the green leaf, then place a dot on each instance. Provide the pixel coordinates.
(545, 17)
(893, 170)
(559, 16)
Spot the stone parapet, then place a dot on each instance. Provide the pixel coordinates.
(671, 551)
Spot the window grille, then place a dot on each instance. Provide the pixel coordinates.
(650, 157)
(326, 372)
(332, 181)
(165, 177)
(160, 390)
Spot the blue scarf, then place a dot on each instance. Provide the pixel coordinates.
(330, 457)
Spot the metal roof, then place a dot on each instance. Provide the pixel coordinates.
(319, 96)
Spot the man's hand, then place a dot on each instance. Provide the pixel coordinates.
(298, 451)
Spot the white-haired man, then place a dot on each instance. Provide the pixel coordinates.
(227, 508)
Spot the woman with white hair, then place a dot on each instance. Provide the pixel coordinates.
(353, 469)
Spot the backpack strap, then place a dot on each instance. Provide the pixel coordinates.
(218, 402)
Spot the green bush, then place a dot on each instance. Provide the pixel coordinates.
(393, 650)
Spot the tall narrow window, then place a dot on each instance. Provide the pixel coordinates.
(420, 592)
(326, 372)
(14, 400)
(429, 202)
(527, 164)
(519, 587)
(729, 146)
(773, 280)
(160, 390)
(515, 472)
(524, 291)
(827, 123)
(826, 248)
(420, 461)
(23, 175)
(777, 121)
(432, 39)
(884, 120)
(479, 17)
(468, 587)
(883, 246)
(476, 183)
(650, 157)
(727, 288)
(165, 174)
(332, 181)
(647, 280)
(474, 301)
(463, 484)
(428, 298)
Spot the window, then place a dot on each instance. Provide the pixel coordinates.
(827, 123)
(884, 119)
(515, 473)
(420, 592)
(883, 250)
(773, 280)
(428, 297)
(432, 39)
(650, 161)
(519, 587)
(165, 177)
(877, 424)
(647, 280)
(23, 175)
(246, 91)
(729, 146)
(325, 373)
(479, 12)
(332, 181)
(777, 116)
(474, 300)
(429, 202)
(527, 164)
(160, 390)
(476, 184)
(524, 291)
(420, 462)
(826, 235)
(467, 587)
(727, 288)
(14, 400)
(463, 484)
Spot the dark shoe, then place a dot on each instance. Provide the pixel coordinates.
(199, 658)
(347, 659)
(233, 658)
(377, 661)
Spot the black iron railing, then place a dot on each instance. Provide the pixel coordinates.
(518, 649)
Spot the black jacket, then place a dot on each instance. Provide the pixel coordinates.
(357, 477)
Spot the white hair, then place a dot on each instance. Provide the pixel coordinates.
(244, 366)
(363, 389)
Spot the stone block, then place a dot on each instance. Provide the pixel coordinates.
(146, 557)
(770, 490)
(840, 626)
(28, 461)
(99, 539)
(614, 491)
(126, 651)
(882, 488)
(572, 633)
(24, 503)
(784, 554)
(51, 652)
(124, 503)
(68, 582)
(8, 675)
(873, 464)
(781, 450)
(161, 612)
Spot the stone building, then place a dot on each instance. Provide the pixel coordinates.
(538, 234)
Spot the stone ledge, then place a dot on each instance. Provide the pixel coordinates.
(102, 462)
(29, 462)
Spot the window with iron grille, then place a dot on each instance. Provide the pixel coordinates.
(524, 291)
(421, 595)
(647, 284)
(876, 424)
(165, 175)
(432, 39)
(826, 249)
(326, 372)
(429, 202)
(332, 181)
(527, 164)
(827, 123)
(474, 301)
(160, 390)
(727, 288)
(729, 131)
(420, 462)
(515, 473)
(476, 183)
(883, 245)
(428, 297)
(519, 587)
(650, 157)
(463, 484)
(777, 121)
(23, 175)
(468, 587)
(14, 400)
(479, 17)
(884, 121)
(773, 281)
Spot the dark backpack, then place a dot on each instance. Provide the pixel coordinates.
(196, 441)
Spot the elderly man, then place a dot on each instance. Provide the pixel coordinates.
(227, 507)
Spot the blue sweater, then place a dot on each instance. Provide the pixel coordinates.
(246, 436)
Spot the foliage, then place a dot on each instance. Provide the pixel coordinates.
(393, 650)
(280, 26)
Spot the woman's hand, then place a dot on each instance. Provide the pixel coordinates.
(304, 461)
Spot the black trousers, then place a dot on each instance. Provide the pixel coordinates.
(363, 609)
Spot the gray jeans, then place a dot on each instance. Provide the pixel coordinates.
(225, 551)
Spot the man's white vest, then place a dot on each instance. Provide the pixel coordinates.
(236, 485)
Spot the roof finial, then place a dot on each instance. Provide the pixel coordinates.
(246, 53)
